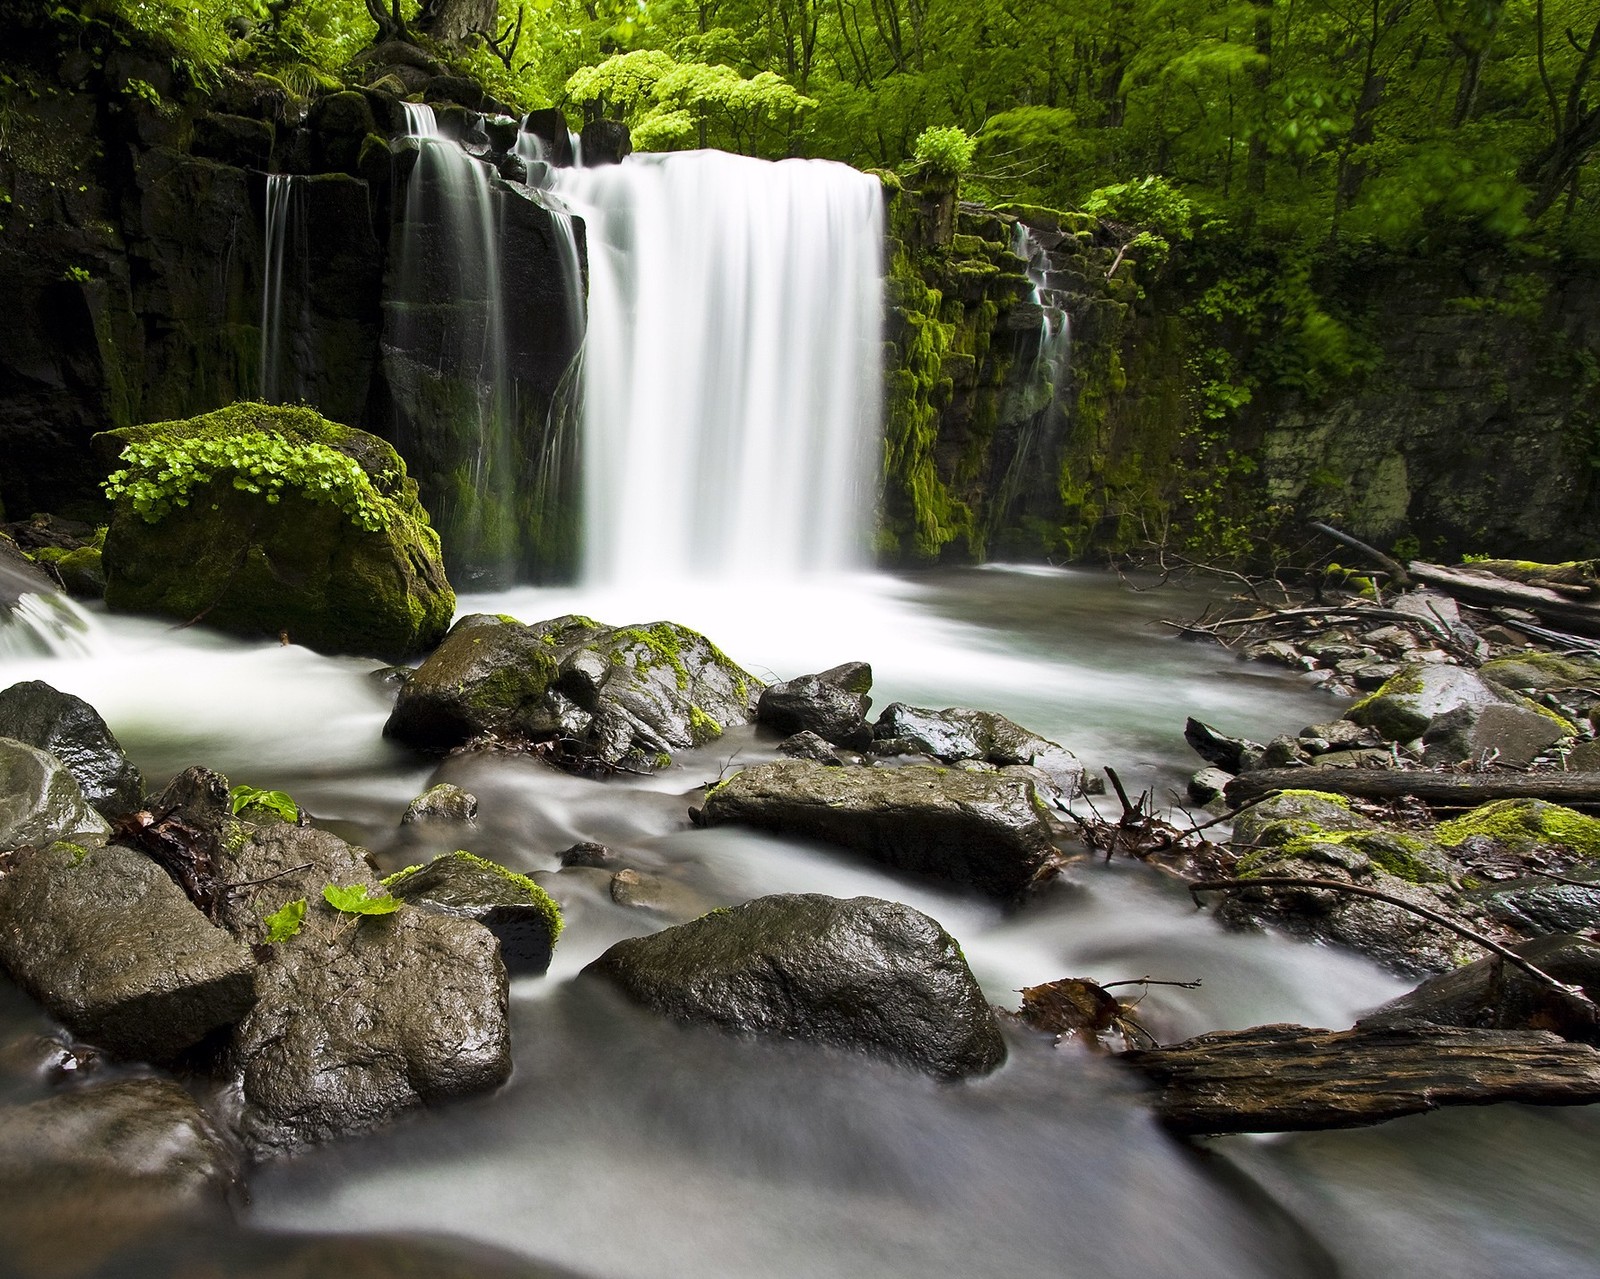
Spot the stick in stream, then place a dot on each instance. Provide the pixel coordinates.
(1397, 571)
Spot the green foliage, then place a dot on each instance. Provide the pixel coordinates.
(76, 275)
(277, 802)
(945, 151)
(354, 901)
(286, 921)
(159, 474)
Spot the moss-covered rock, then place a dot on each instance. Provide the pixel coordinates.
(1520, 826)
(616, 695)
(1459, 715)
(522, 916)
(265, 520)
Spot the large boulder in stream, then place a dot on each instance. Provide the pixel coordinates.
(984, 830)
(268, 520)
(358, 1017)
(859, 973)
(72, 730)
(40, 801)
(606, 695)
(111, 946)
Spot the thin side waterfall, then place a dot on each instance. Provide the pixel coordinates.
(445, 328)
(285, 220)
(732, 365)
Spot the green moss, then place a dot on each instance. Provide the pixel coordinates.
(546, 903)
(702, 727)
(77, 852)
(1523, 824)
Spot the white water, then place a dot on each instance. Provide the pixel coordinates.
(285, 218)
(731, 371)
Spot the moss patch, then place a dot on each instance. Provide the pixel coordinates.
(1524, 824)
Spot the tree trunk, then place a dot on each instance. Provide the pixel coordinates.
(1438, 788)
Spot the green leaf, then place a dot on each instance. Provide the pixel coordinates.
(354, 901)
(285, 922)
(280, 803)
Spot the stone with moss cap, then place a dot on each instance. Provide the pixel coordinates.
(1520, 826)
(616, 695)
(524, 917)
(265, 520)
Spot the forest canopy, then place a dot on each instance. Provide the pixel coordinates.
(1412, 124)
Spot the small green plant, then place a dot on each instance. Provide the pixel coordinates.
(286, 921)
(144, 91)
(279, 803)
(944, 150)
(158, 475)
(76, 275)
(354, 901)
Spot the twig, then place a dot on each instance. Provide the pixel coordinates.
(1152, 981)
(1433, 916)
(1397, 570)
(265, 879)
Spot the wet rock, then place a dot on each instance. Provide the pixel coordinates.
(859, 973)
(72, 730)
(40, 801)
(357, 1018)
(984, 830)
(1218, 749)
(627, 695)
(266, 564)
(442, 803)
(1540, 672)
(1457, 714)
(606, 142)
(1491, 994)
(588, 854)
(1370, 758)
(112, 947)
(1283, 752)
(810, 746)
(1207, 785)
(550, 126)
(1338, 735)
(666, 897)
(53, 1058)
(517, 911)
(957, 733)
(832, 704)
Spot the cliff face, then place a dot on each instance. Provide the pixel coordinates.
(1473, 421)
(134, 257)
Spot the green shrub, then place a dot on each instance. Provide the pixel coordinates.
(945, 151)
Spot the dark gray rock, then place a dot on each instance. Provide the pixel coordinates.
(624, 694)
(1535, 907)
(862, 973)
(1208, 784)
(832, 704)
(957, 733)
(1491, 994)
(356, 1020)
(72, 730)
(667, 897)
(442, 803)
(588, 854)
(1218, 749)
(810, 746)
(1507, 734)
(517, 911)
(606, 142)
(40, 801)
(111, 946)
(984, 830)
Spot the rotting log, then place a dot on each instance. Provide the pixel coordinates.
(1474, 587)
(1434, 787)
(1286, 1078)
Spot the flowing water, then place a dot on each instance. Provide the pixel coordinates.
(284, 248)
(624, 1146)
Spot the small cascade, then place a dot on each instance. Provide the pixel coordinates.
(285, 243)
(1055, 339)
(732, 366)
(36, 621)
(444, 340)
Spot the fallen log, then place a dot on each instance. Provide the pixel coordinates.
(1434, 787)
(1473, 586)
(1292, 1078)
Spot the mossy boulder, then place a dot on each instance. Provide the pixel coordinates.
(862, 973)
(1459, 716)
(1537, 672)
(266, 520)
(612, 695)
(984, 830)
(522, 916)
(1518, 827)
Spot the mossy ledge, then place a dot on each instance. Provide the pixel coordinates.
(269, 521)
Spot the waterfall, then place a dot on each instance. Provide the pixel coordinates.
(444, 338)
(285, 220)
(37, 621)
(732, 365)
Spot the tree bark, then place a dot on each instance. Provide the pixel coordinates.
(1439, 789)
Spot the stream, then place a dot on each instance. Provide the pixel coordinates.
(627, 1147)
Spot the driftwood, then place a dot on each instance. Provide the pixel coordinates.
(1436, 788)
(1473, 586)
(1290, 1078)
(1395, 569)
